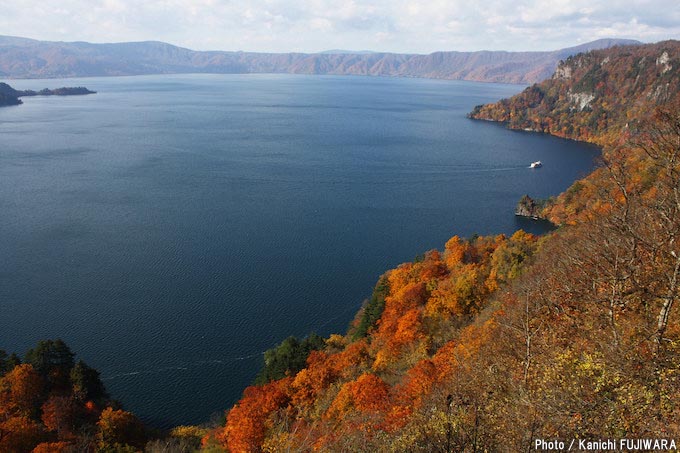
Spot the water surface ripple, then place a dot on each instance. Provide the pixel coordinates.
(171, 228)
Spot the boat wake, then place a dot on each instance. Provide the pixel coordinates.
(186, 367)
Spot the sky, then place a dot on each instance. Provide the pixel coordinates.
(407, 26)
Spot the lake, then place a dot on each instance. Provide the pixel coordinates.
(172, 228)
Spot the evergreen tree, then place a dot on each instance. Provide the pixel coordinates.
(373, 309)
(288, 358)
(54, 361)
(12, 361)
(7, 363)
(3, 362)
(86, 383)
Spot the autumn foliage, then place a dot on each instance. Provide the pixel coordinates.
(52, 404)
(486, 345)
(496, 341)
(595, 96)
(250, 419)
(357, 390)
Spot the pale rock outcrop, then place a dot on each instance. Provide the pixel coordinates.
(581, 100)
(663, 61)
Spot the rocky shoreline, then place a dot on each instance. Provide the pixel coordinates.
(10, 96)
(528, 207)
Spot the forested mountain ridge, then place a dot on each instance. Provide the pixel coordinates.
(27, 58)
(601, 97)
(594, 96)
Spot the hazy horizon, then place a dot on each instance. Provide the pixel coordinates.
(322, 51)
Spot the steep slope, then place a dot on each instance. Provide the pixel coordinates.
(498, 342)
(8, 95)
(601, 97)
(594, 96)
(26, 58)
(493, 343)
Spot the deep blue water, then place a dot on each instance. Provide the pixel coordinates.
(171, 228)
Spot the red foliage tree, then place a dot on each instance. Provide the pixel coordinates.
(59, 415)
(248, 420)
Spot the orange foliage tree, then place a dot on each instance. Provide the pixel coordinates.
(119, 428)
(249, 419)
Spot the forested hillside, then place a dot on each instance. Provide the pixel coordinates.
(8, 95)
(595, 96)
(53, 404)
(487, 345)
(495, 342)
(603, 97)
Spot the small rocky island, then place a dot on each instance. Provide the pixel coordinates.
(10, 96)
(528, 207)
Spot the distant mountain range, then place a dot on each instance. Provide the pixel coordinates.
(28, 58)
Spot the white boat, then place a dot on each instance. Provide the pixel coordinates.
(536, 164)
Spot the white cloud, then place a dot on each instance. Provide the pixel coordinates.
(312, 25)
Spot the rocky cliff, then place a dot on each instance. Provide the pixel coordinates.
(595, 96)
(528, 207)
